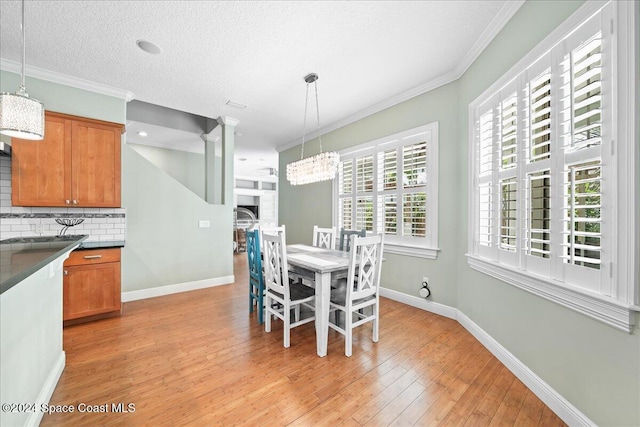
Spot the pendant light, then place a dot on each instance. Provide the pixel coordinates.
(321, 167)
(21, 116)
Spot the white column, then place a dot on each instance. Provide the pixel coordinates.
(212, 169)
(228, 128)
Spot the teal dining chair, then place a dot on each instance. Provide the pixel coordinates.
(256, 278)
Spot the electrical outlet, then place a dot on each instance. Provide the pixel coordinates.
(204, 223)
(425, 292)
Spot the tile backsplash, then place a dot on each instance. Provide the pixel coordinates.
(17, 221)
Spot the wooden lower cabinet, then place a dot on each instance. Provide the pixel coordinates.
(91, 285)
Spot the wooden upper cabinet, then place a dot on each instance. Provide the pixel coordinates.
(76, 164)
(95, 157)
(41, 173)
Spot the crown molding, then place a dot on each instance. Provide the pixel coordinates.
(503, 16)
(228, 121)
(384, 104)
(64, 79)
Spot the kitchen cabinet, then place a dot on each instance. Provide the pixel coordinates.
(77, 164)
(91, 284)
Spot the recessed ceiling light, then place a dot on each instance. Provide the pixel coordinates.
(148, 47)
(142, 133)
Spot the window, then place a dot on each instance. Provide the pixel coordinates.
(390, 186)
(549, 166)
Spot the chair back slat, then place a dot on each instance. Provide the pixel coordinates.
(324, 237)
(276, 273)
(345, 237)
(253, 253)
(368, 250)
(270, 229)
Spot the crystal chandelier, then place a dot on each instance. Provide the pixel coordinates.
(21, 116)
(321, 167)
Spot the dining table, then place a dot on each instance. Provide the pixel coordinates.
(320, 264)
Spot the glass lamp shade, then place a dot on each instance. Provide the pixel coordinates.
(21, 116)
(321, 167)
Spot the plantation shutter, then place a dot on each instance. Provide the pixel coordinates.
(486, 217)
(508, 127)
(540, 117)
(583, 89)
(414, 172)
(345, 194)
(385, 186)
(551, 162)
(540, 135)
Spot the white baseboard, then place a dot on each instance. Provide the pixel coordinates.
(177, 288)
(554, 400)
(433, 307)
(558, 404)
(47, 390)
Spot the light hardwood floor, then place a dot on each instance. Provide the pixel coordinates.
(198, 358)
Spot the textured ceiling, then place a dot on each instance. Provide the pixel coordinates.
(254, 52)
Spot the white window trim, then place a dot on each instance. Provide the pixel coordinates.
(619, 310)
(430, 249)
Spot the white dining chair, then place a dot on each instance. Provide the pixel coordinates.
(281, 296)
(360, 290)
(324, 237)
(271, 229)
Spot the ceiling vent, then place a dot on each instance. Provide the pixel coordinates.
(234, 104)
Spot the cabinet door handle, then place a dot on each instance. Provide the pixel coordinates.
(75, 202)
(92, 256)
(67, 202)
(66, 272)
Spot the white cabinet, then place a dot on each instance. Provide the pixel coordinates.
(269, 207)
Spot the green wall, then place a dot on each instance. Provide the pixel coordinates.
(595, 367)
(302, 207)
(187, 168)
(164, 244)
(67, 99)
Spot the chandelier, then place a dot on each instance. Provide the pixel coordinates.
(321, 167)
(21, 116)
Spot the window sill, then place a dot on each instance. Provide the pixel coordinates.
(607, 310)
(414, 251)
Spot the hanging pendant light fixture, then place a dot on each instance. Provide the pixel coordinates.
(21, 116)
(321, 167)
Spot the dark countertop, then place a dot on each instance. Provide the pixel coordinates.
(21, 257)
(101, 245)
